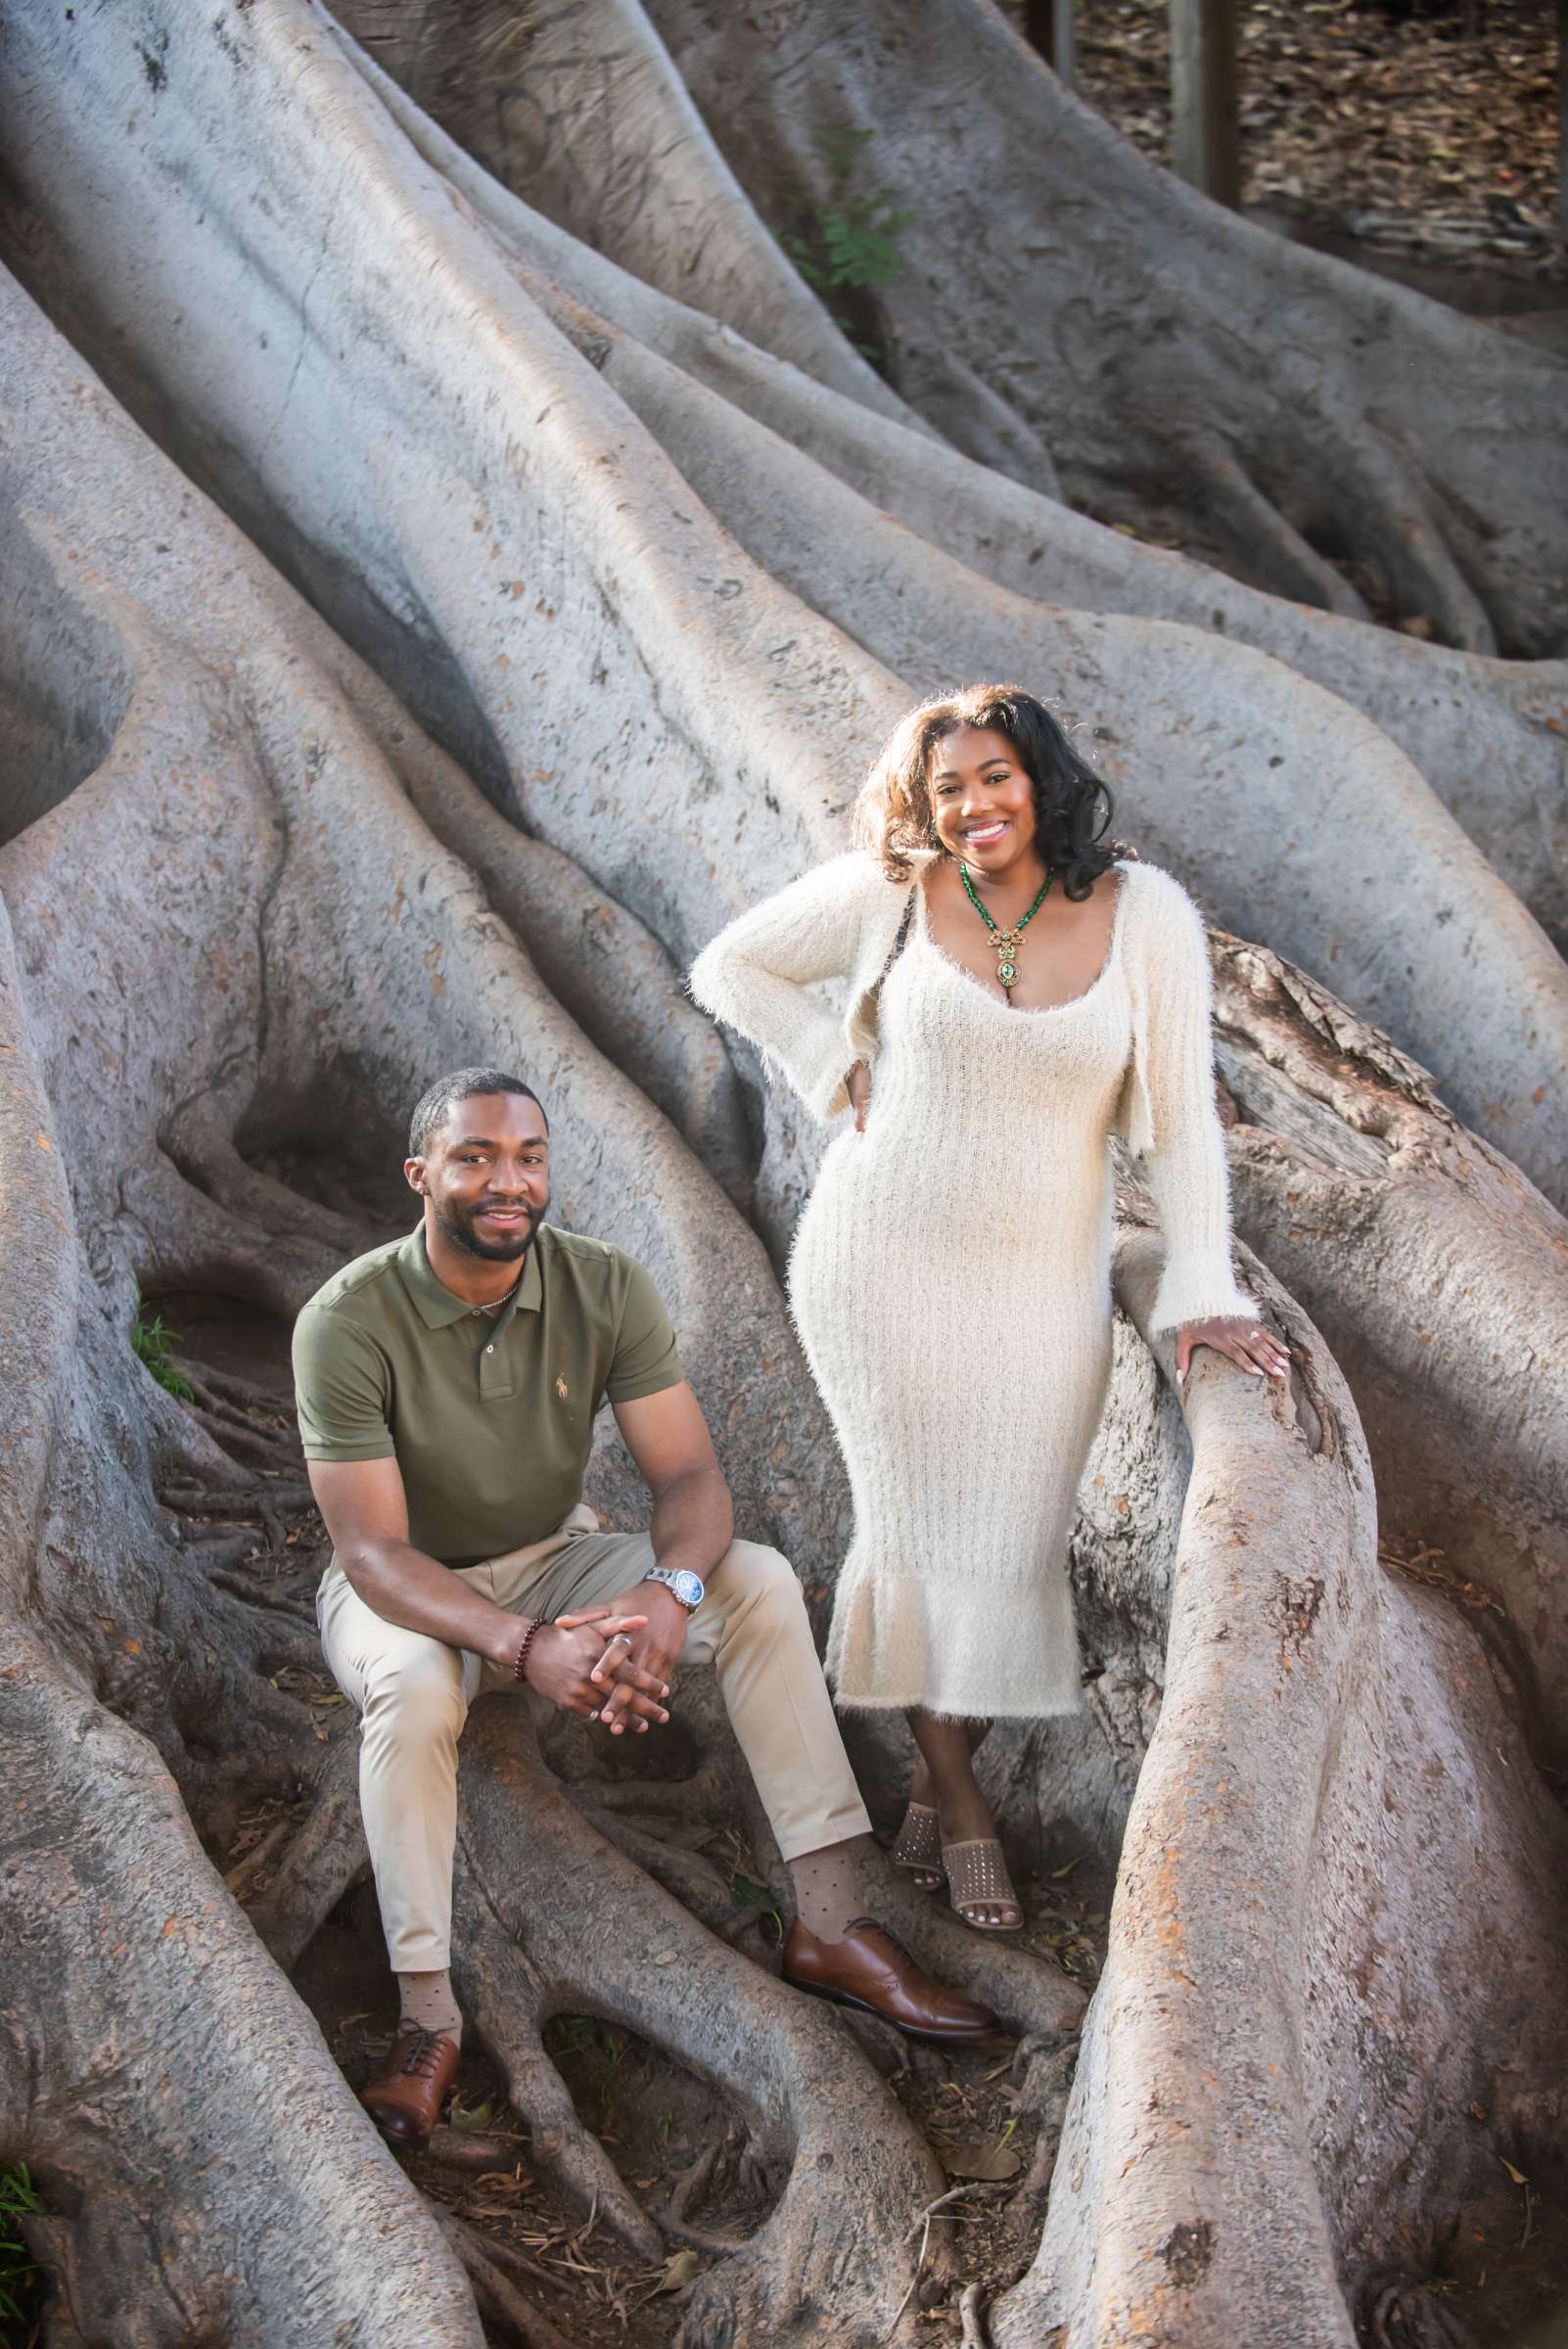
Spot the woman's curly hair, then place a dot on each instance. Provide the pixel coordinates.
(894, 815)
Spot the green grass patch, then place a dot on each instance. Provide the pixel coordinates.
(24, 2286)
(153, 1346)
(749, 1894)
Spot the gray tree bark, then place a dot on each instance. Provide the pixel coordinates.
(452, 667)
(1176, 359)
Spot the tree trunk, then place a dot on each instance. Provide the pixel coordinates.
(261, 885)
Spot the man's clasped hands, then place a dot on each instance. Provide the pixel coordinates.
(609, 1664)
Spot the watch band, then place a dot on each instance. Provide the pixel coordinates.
(673, 1578)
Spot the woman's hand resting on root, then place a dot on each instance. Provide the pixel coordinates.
(1250, 1343)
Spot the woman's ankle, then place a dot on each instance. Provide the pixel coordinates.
(964, 1814)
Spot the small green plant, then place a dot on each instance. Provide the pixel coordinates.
(850, 242)
(616, 2052)
(22, 2281)
(751, 1895)
(568, 2034)
(153, 1346)
(583, 2035)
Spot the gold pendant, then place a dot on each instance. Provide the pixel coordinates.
(1006, 943)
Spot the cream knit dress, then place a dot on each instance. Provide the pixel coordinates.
(950, 1274)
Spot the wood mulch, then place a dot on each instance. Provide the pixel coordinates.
(1410, 134)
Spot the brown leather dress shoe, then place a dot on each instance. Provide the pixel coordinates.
(406, 2097)
(868, 1968)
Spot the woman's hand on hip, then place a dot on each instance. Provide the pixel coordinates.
(858, 1085)
(1249, 1342)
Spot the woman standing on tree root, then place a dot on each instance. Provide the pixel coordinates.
(1016, 990)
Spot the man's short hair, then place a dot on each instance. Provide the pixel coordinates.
(434, 1106)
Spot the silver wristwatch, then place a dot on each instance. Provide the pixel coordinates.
(685, 1586)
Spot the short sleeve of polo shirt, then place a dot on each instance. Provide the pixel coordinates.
(342, 1389)
(646, 1362)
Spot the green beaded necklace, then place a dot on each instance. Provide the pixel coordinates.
(1005, 941)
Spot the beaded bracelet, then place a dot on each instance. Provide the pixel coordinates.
(520, 1668)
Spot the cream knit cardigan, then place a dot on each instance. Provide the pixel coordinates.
(838, 924)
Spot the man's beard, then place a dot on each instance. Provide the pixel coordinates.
(457, 1226)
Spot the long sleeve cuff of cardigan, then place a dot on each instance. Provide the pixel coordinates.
(814, 1059)
(817, 1065)
(1198, 1288)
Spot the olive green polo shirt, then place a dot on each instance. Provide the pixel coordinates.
(490, 1418)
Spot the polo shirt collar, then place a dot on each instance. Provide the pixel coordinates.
(435, 1303)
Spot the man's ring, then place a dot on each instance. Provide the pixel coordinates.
(625, 1637)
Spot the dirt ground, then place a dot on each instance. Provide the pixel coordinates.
(682, 2149)
(1413, 135)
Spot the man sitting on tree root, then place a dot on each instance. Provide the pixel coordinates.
(447, 1386)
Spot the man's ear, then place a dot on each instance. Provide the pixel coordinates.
(414, 1175)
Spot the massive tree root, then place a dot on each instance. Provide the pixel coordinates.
(264, 1011)
(1172, 354)
(207, 2174)
(529, 649)
(1320, 1979)
(1078, 297)
(599, 125)
(1490, 736)
(1290, 1848)
(1441, 1277)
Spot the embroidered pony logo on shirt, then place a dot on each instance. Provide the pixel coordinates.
(561, 1387)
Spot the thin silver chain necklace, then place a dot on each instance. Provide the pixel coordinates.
(500, 1302)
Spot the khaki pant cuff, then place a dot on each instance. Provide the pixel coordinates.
(822, 1836)
(420, 1958)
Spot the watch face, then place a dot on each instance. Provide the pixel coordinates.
(687, 1587)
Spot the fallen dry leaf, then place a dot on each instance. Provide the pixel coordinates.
(680, 2268)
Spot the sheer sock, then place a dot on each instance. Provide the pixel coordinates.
(829, 1895)
(428, 2004)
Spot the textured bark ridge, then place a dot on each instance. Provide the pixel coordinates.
(418, 633)
(521, 607)
(1490, 737)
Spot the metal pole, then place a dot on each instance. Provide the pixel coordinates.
(1049, 27)
(1562, 120)
(1064, 42)
(1205, 135)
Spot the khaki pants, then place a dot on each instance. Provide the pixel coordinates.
(413, 1695)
